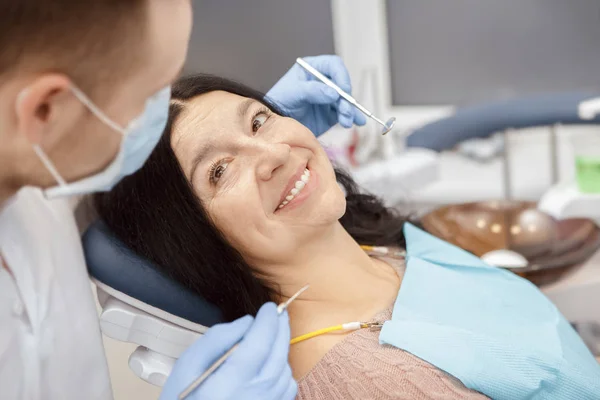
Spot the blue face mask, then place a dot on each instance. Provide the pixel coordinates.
(489, 328)
(139, 139)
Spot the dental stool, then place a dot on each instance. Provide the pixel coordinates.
(142, 305)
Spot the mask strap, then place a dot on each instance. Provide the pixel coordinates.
(95, 110)
(48, 164)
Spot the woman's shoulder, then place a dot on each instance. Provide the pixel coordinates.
(359, 367)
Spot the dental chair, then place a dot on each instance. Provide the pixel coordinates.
(141, 305)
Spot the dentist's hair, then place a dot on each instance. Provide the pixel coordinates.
(87, 39)
(156, 213)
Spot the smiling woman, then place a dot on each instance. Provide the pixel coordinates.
(225, 163)
(242, 205)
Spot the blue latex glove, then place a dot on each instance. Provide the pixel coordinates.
(257, 370)
(317, 106)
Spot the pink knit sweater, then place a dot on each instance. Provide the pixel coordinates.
(359, 368)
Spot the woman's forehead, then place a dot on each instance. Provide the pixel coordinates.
(205, 112)
(206, 107)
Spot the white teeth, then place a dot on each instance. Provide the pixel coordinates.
(298, 186)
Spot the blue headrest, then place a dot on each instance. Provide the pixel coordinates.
(483, 120)
(113, 264)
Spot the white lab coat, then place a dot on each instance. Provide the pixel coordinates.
(50, 341)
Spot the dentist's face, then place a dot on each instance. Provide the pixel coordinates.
(264, 179)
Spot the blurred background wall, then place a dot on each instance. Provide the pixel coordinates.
(257, 41)
(466, 51)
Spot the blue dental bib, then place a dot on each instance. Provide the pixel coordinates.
(491, 329)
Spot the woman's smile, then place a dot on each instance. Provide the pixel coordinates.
(298, 189)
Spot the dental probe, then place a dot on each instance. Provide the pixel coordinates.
(280, 308)
(387, 126)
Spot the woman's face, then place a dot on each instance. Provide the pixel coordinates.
(264, 180)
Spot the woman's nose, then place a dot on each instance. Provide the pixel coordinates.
(270, 158)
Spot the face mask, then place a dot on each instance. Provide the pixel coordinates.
(139, 139)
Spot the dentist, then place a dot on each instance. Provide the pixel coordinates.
(84, 94)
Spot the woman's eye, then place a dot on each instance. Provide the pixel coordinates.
(258, 121)
(217, 172)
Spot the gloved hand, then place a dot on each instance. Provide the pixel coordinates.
(257, 370)
(317, 106)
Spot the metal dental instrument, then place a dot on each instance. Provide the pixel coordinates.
(280, 308)
(283, 306)
(387, 126)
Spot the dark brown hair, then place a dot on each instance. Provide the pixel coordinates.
(156, 213)
(85, 39)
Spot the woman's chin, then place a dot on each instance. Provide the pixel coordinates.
(330, 213)
(339, 204)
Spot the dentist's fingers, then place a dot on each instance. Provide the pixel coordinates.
(316, 92)
(360, 119)
(332, 67)
(281, 387)
(345, 113)
(291, 391)
(281, 347)
(255, 349)
(202, 354)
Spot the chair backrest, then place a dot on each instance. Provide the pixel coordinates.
(483, 120)
(112, 263)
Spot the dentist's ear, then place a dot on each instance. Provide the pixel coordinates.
(38, 105)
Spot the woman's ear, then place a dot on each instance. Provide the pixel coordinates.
(38, 104)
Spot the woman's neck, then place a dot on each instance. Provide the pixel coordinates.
(345, 283)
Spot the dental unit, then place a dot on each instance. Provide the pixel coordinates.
(577, 293)
(565, 200)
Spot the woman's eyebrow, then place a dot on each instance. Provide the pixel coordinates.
(244, 107)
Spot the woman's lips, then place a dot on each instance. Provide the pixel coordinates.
(297, 177)
(299, 188)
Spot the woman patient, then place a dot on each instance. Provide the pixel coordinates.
(242, 205)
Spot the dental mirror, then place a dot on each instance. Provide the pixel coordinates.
(386, 126)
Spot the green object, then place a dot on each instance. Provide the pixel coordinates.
(588, 173)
